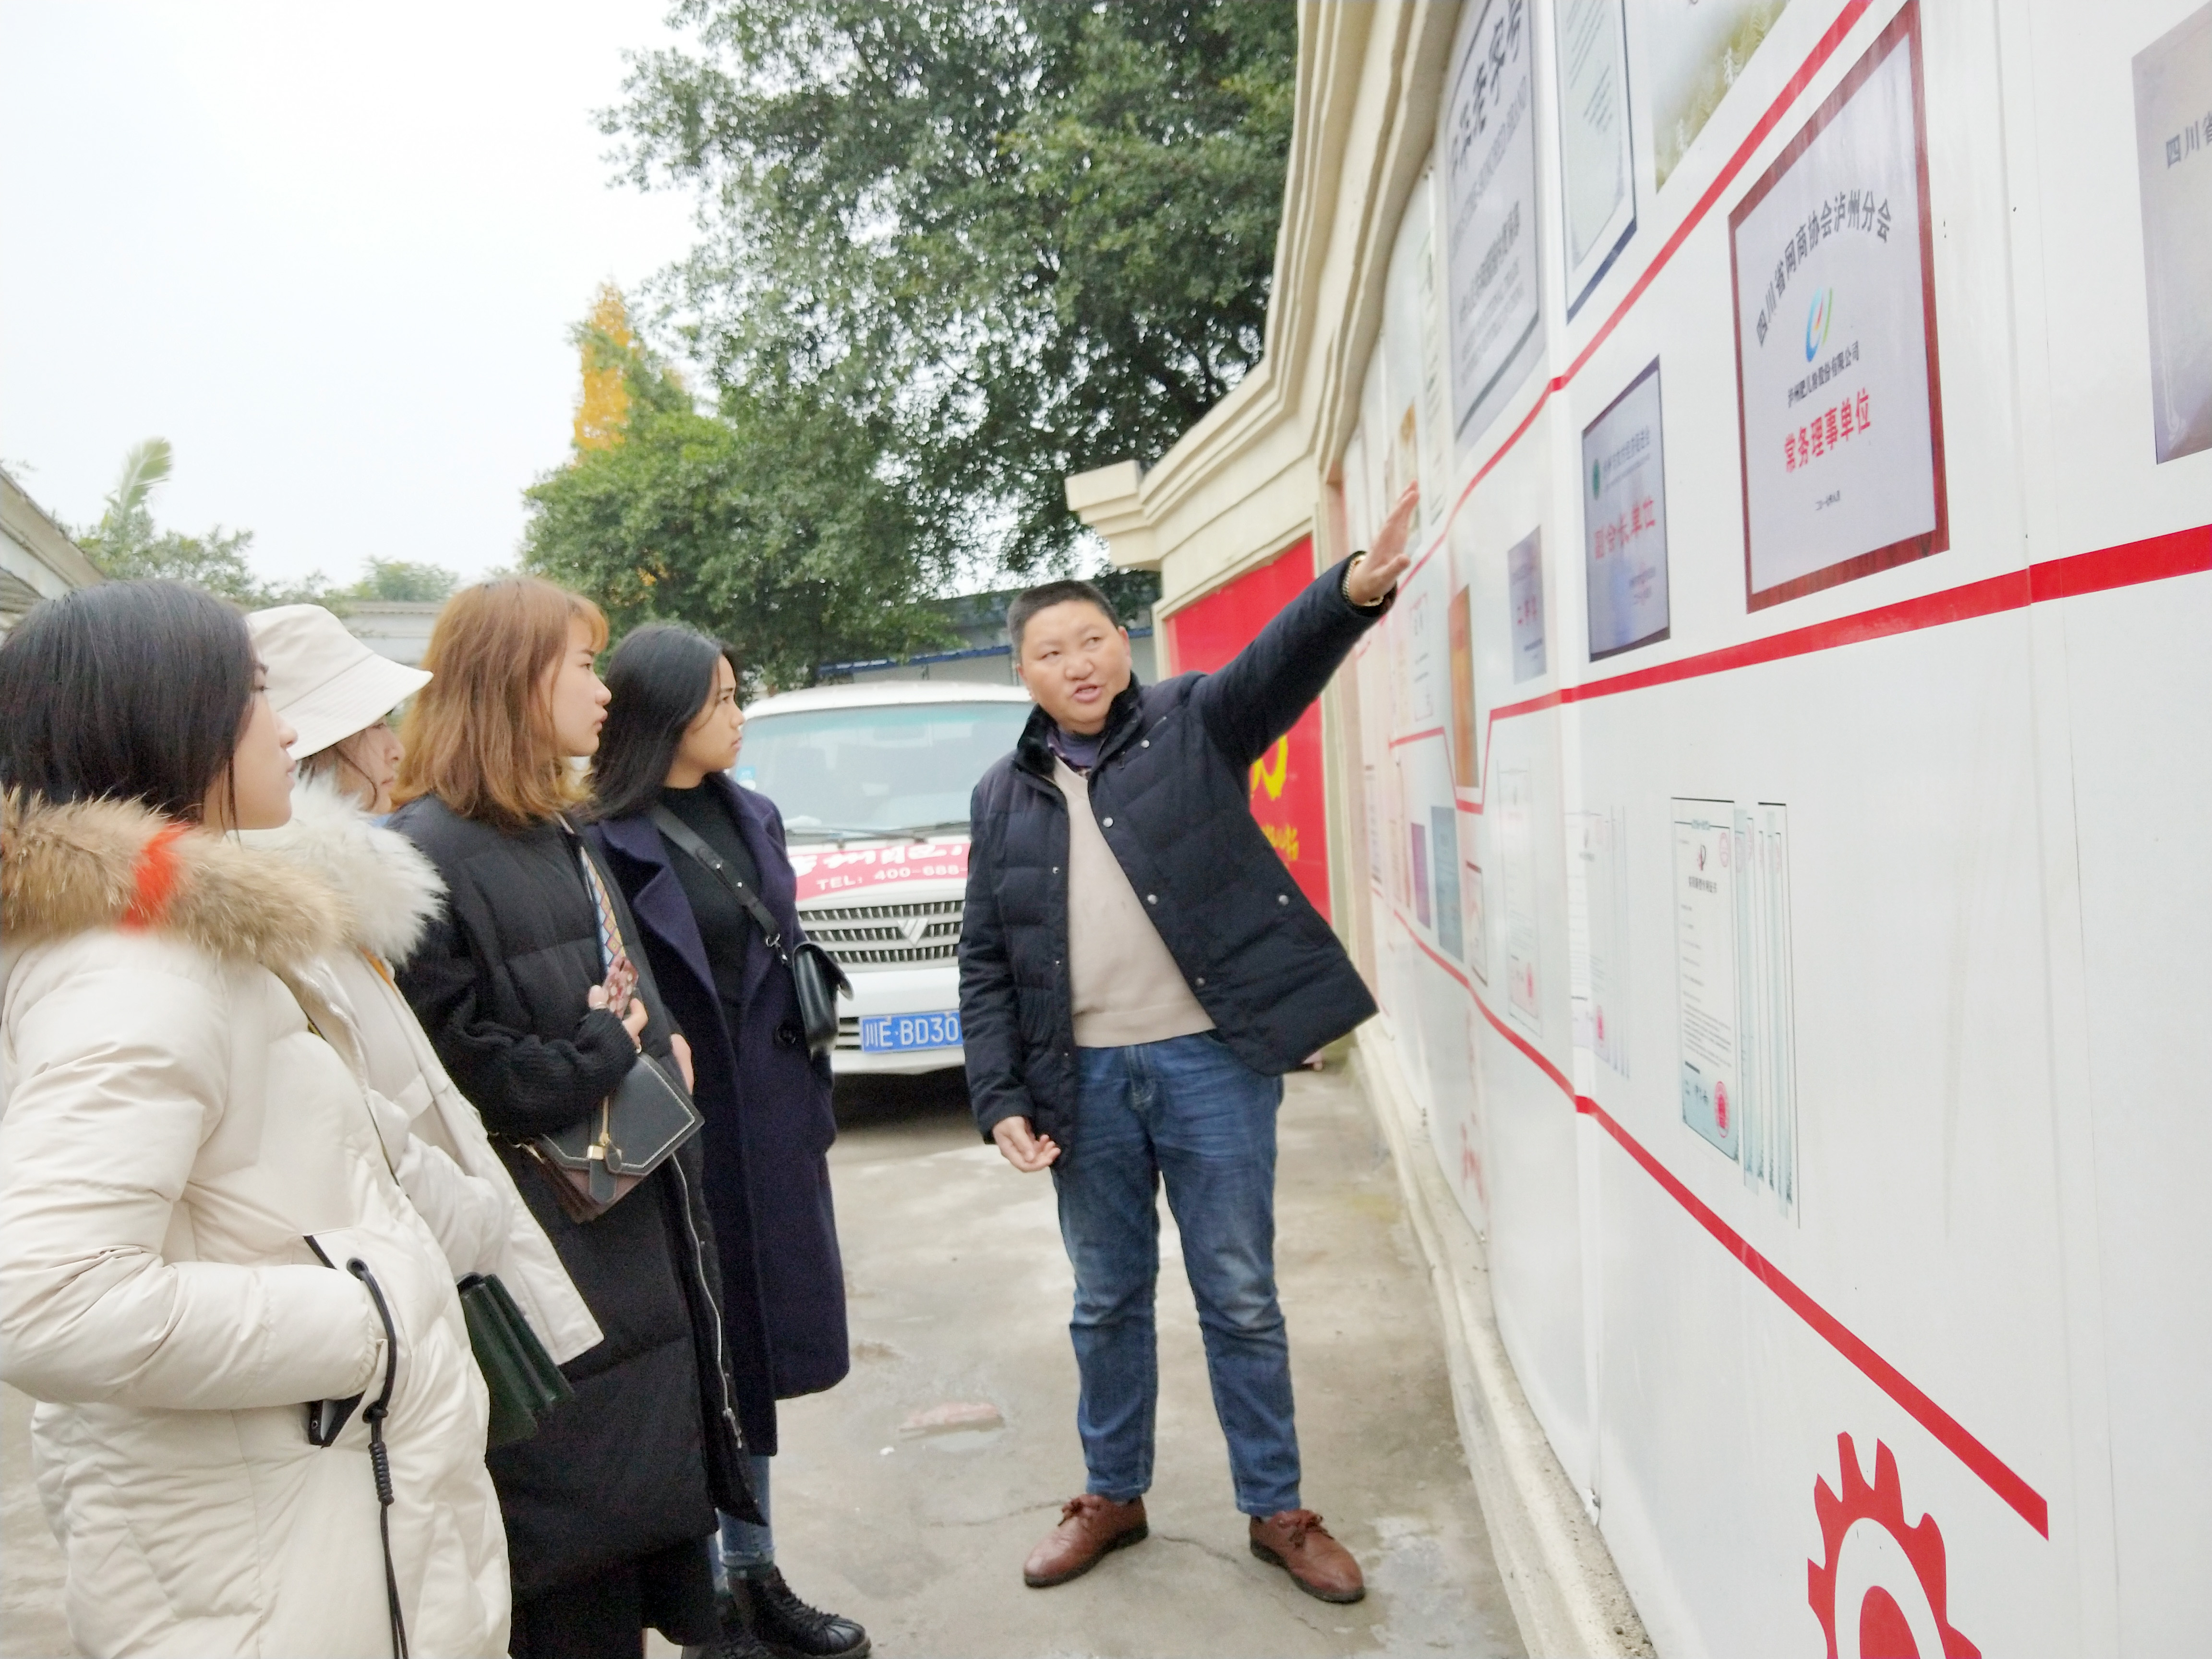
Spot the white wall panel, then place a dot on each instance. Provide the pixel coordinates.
(1995, 825)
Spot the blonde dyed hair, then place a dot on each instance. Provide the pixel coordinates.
(480, 735)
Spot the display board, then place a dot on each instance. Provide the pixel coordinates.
(1624, 520)
(1489, 169)
(1694, 53)
(1597, 150)
(1837, 386)
(1797, 972)
(2173, 164)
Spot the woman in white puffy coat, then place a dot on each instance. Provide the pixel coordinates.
(189, 1161)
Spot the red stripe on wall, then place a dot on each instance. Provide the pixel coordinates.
(1417, 737)
(1992, 1470)
(2183, 553)
(2157, 558)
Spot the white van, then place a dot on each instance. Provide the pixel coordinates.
(873, 782)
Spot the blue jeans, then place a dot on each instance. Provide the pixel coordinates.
(747, 1551)
(1187, 1112)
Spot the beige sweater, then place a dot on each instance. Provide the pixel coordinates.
(1126, 987)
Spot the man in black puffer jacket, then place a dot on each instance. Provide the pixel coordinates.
(1137, 972)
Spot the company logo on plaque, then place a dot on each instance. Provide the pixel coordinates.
(1816, 322)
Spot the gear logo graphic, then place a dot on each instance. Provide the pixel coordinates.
(1880, 1594)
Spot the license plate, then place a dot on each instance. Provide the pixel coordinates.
(889, 1033)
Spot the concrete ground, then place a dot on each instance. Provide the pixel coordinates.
(960, 1295)
(907, 1496)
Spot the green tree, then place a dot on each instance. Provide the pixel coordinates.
(125, 543)
(767, 523)
(1013, 240)
(128, 518)
(397, 579)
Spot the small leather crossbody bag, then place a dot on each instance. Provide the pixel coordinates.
(815, 974)
(595, 1163)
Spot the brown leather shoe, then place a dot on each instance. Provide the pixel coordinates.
(1090, 1527)
(1295, 1542)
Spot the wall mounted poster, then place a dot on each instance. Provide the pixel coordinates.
(1705, 967)
(1490, 201)
(1597, 934)
(1435, 366)
(1835, 312)
(1765, 1010)
(1693, 50)
(1473, 903)
(1516, 850)
(1461, 631)
(1596, 159)
(1732, 976)
(1443, 837)
(2173, 161)
(1524, 593)
(1420, 834)
(1624, 520)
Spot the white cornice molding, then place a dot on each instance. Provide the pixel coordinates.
(50, 562)
(1107, 499)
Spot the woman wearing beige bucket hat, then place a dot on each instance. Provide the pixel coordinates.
(336, 693)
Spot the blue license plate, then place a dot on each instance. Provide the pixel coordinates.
(889, 1033)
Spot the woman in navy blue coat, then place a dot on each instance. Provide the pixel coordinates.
(674, 729)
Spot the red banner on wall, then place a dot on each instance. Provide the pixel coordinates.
(1287, 796)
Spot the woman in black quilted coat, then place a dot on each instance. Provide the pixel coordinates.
(611, 1506)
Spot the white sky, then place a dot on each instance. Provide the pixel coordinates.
(330, 253)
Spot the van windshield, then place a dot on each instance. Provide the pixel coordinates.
(882, 770)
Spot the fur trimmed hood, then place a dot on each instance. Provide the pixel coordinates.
(392, 889)
(91, 865)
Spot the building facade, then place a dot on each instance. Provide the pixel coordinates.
(38, 560)
(397, 628)
(1772, 816)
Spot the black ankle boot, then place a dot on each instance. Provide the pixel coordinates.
(736, 1640)
(787, 1626)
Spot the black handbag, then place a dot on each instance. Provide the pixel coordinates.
(521, 1376)
(595, 1162)
(814, 972)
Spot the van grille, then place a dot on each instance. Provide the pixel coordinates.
(885, 935)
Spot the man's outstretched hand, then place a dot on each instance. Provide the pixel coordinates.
(1026, 1150)
(1378, 571)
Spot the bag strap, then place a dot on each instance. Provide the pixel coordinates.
(674, 828)
(611, 948)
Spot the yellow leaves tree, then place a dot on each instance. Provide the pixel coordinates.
(605, 345)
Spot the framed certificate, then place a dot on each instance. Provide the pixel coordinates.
(1833, 257)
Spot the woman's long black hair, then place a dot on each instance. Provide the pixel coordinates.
(125, 691)
(660, 678)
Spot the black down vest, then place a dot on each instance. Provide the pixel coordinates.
(1171, 793)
